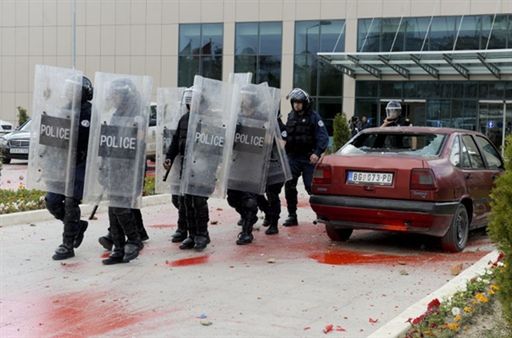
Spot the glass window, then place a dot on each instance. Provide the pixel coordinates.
(470, 33)
(492, 157)
(498, 39)
(455, 153)
(321, 80)
(200, 52)
(369, 31)
(424, 145)
(258, 50)
(474, 154)
(442, 33)
(389, 31)
(415, 32)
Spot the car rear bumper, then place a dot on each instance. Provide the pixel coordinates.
(432, 218)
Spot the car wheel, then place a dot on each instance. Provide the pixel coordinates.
(336, 234)
(6, 160)
(456, 238)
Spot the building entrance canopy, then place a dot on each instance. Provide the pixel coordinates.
(496, 62)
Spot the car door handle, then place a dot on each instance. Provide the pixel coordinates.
(495, 176)
(467, 176)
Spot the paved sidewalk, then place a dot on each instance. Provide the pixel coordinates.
(289, 285)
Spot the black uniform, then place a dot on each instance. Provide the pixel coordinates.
(271, 205)
(124, 223)
(305, 135)
(65, 208)
(194, 207)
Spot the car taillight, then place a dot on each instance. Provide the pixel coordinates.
(322, 174)
(422, 179)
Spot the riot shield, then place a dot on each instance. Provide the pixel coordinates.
(54, 133)
(240, 79)
(117, 148)
(169, 111)
(253, 139)
(279, 170)
(211, 131)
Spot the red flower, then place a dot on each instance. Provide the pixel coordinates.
(433, 305)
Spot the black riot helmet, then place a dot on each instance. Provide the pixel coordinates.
(299, 95)
(87, 90)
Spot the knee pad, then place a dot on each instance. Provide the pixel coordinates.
(55, 205)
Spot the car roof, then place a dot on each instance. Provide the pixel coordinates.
(419, 130)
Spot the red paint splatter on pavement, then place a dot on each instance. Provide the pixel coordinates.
(70, 265)
(77, 314)
(348, 257)
(188, 261)
(162, 226)
(105, 254)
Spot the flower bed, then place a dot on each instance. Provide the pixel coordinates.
(20, 200)
(446, 318)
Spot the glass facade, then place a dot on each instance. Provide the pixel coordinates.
(258, 50)
(322, 81)
(200, 52)
(434, 34)
(455, 104)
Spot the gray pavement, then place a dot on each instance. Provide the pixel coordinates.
(293, 284)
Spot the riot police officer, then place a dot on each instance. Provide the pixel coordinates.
(195, 207)
(65, 208)
(125, 223)
(306, 140)
(393, 116)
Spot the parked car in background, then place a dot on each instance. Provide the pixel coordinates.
(434, 181)
(15, 144)
(5, 127)
(151, 134)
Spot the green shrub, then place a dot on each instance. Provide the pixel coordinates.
(341, 131)
(149, 186)
(22, 115)
(500, 229)
(21, 200)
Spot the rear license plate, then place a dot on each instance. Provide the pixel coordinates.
(359, 177)
(19, 151)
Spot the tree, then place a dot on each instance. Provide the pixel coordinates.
(500, 229)
(341, 131)
(22, 115)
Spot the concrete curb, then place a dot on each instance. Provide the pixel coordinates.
(398, 326)
(43, 215)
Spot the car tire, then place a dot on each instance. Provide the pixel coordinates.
(6, 160)
(456, 238)
(336, 234)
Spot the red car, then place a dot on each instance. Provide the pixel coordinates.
(434, 181)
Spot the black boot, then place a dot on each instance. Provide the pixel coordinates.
(187, 243)
(240, 222)
(131, 250)
(201, 241)
(106, 241)
(266, 221)
(80, 235)
(179, 236)
(272, 229)
(63, 252)
(291, 221)
(245, 237)
(116, 256)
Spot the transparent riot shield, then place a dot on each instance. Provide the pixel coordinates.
(169, 111)
(211, 131)
(117, 148)
(54, 133)
(279, 170)
(240, 79)
(253, 139)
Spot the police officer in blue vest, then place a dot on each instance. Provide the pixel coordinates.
(306, 140)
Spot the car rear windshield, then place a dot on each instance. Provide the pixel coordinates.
(423, 145)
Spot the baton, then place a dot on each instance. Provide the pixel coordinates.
(96, 206)
(167, 174)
